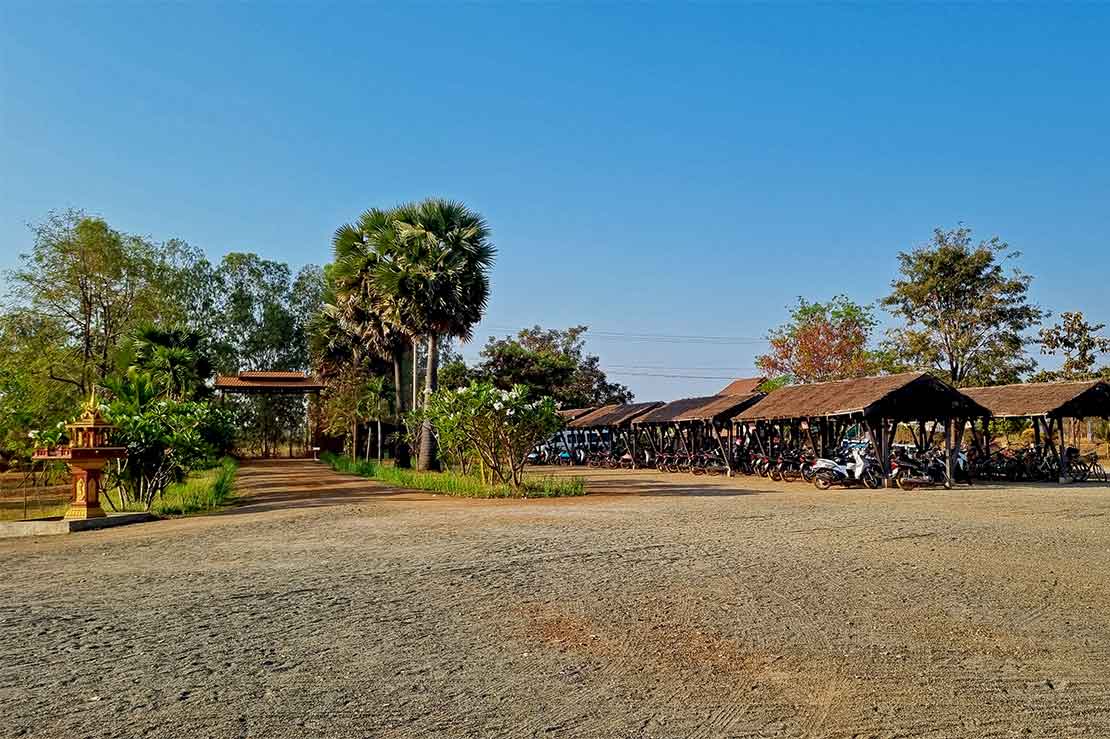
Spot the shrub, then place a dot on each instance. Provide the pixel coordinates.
(500, 427)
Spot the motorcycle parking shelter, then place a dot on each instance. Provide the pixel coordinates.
(607, 424)
(1046, 404)
(822, 413)
(691, 422)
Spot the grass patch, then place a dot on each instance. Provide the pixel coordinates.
(12, 510)
(200, 492)
(454, 483)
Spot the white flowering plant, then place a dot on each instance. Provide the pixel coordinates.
(497, 427)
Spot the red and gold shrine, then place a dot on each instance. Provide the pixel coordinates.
(87, 454)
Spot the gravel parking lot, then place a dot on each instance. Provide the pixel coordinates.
(662, 606)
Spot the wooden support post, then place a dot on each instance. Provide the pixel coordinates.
(948, 451)
(1063, 453)
(721, 444)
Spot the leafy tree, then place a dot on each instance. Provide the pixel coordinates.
(96, 283)
(262, 323)
(500, 427)
(965, 316)
(1079, 342)
(29, 399)
(821, 342)
(165, 438)
(551, 362)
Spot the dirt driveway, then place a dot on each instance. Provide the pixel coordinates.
(331, 607)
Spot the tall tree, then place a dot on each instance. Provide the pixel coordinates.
(95, 282)
(365, 318)
(421, 271)
(821, 342)
(551, 362)
(965, 315)
(1079, 342)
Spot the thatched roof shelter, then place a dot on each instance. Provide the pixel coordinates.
(905, 396)
(743, 386)
(569, 414)
(708, 408)
(615, 415)
(1052, 399)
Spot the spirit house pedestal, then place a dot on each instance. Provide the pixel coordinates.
(87, 454)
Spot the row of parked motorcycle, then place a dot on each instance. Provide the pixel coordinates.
(1036, 464)
(854, 464)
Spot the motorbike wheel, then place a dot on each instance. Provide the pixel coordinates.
(905, 484)
(697, 470)
(872, 479)
(822, 481)
(775, 474)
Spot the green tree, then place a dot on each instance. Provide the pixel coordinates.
(96, 283)
(353, 327)
(420, 271)
(178, 358)
(1079, 342)
(551, 362)
(438, 282)
(821, 342)
(965, 316)
(499, 427)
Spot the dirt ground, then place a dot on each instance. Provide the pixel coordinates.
(663, 606)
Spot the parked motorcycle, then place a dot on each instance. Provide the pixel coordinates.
(856, 469)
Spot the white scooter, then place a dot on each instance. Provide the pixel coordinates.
(829, 472)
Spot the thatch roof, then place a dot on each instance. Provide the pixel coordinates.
(907, 396)
(614, 415)
(569, 414)
(1057, 399)
(707, 408)
(743, 386)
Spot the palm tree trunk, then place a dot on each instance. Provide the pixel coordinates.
(415, 371)
(427, 438)
(400, 449)
(379, 440)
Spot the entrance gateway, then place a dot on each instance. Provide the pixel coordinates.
(274, 382)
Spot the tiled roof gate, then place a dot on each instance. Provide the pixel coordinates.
(269, 382)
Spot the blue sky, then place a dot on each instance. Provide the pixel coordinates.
(646, 169)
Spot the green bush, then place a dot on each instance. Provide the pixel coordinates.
(454, 483)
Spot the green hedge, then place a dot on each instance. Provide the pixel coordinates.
(453, 483)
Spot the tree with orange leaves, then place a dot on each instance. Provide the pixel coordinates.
(821, 342)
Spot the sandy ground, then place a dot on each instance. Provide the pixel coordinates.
(684, 607)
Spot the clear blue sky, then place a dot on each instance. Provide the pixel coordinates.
(646, 169)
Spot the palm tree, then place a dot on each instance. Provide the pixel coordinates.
(360, 310)
(374, 404)
(435, 276)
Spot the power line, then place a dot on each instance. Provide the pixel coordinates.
(672, 376)
(648, 337)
